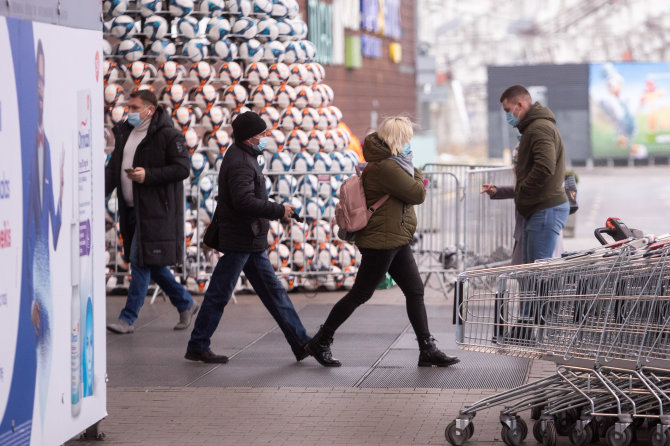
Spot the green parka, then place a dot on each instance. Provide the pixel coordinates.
(540, 167)
(394, 223)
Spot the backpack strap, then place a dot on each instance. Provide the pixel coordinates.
(383, 199)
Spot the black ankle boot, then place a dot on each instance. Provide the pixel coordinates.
(319, 347)
(430, 355)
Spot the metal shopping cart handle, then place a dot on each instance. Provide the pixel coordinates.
(616, 229)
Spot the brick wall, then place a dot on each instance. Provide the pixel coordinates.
(378, 81)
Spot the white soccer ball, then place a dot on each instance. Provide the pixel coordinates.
(300, 28)
(239, 7)
(334, 280)
(230, 73)
(162, 50)
(285, 29)
(123, 27)
(131, 49)
(315, 142)
(217, 28)
(214, 118)
(140, 72)
(234, 96)
(279, 256)
(297, 232)
(218, 142)
(278, 74)
(118, 114)
(308, 186)
(292, 7)
(149, 7)
(313, 209)
(225, 49)
(290, 119)
(303, 254)
(211, 8)
(262, 7)
(175, 94)
(285, 185)
(107, 49)
(275, 141)
(183, 117)
(170, 72)
(317, 98)
(267, 29)
(287, 278)
(326, 188)
(339, 161)
(347, 255)
(279, 9)
(244, 28)
(111, 72)
(309, 49)
(270, 115)
(303, 96)
(251, 51)
(155, 27)
(318, 70)
(193, 144)
(262, 96)
(297, 74)
(196, 50)
(256, 73)
(302, 162)
(115, 7)
(180, 8)
(204, 96)
(280, 162)
(275, 233)
(273, 51)
(293, 53)
(188, 27)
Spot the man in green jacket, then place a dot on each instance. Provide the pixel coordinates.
(539, 195)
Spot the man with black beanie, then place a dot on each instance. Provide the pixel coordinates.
(239, 227)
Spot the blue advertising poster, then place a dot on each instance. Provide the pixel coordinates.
(629, 109)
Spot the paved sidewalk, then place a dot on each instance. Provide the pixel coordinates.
(209, 411)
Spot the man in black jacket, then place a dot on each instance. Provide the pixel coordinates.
(241, 225)
(147, 168)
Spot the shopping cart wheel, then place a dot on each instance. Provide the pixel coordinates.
(550, 435)
(538, 432)
(659, 437)
(581, 436)
(615, 438)
(455, 435)
(565, 420)
(514, 437)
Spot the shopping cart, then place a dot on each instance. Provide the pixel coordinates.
(603, 316)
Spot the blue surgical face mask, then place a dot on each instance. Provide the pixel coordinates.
(406, 149)
(134, 119)
(261, 144)
(511, 119)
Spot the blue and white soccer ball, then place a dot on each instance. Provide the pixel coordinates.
(293, 53)
(329, 208)
(162, 50)
(239, 7)
(131, 49)
(285, 29)
(302, 162)
(268, 185)
(313, 210)
(280, 162)
(315, 142)
(292, 7)
(211, 8)
(196, 50)
(300, 28)
(309, 49)
(122, 27)
(225, 49)
(273, 52)
(294, 201)
(188, 27)
(114, 7)
(155, 27)
(217, 28)
(285, 185)
(262, 7)
(308, 186)
(349, 162)
(339, 162)
(198, 164)
(149, 7)
(326, 188)
(180, 8)
(251, 51)
(244, 28)
(261, 162)
(267, 29)
(279, 9)
(296, 141)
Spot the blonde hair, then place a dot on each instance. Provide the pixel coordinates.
(396, 132)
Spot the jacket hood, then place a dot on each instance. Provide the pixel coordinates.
(159, 120)
(374, 149)
(536, 111)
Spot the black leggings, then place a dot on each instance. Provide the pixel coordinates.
(400, 264)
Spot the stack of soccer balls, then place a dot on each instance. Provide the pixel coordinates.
(209, 60)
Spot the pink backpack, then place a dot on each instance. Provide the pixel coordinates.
(352, 213)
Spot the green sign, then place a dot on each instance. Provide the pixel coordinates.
(320, 21)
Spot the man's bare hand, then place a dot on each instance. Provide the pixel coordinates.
(289, 209)
(138, 174)
(489, 189)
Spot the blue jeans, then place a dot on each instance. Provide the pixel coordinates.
(139, 285)
(540, 232)
(261, 275)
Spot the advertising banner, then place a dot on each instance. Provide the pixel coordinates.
(52, 296)
(630, 109)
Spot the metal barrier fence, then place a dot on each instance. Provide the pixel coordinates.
(457, 228)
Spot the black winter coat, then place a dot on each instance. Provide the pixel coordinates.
(159, 201)
(243, 208)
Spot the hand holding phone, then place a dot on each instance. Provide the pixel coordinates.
(130, 169)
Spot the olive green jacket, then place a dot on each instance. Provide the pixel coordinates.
(394, 223)
(540, 167)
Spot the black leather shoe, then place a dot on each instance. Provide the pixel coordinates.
(207, 356)
(319, 347)
(430, 355)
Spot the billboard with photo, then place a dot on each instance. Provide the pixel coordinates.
(629, 109)
(52, 296)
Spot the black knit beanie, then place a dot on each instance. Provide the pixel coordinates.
(247, 125)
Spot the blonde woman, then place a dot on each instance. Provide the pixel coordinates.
(384, 242)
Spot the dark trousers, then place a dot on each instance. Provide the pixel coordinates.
(261, 275)
(399, 263)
